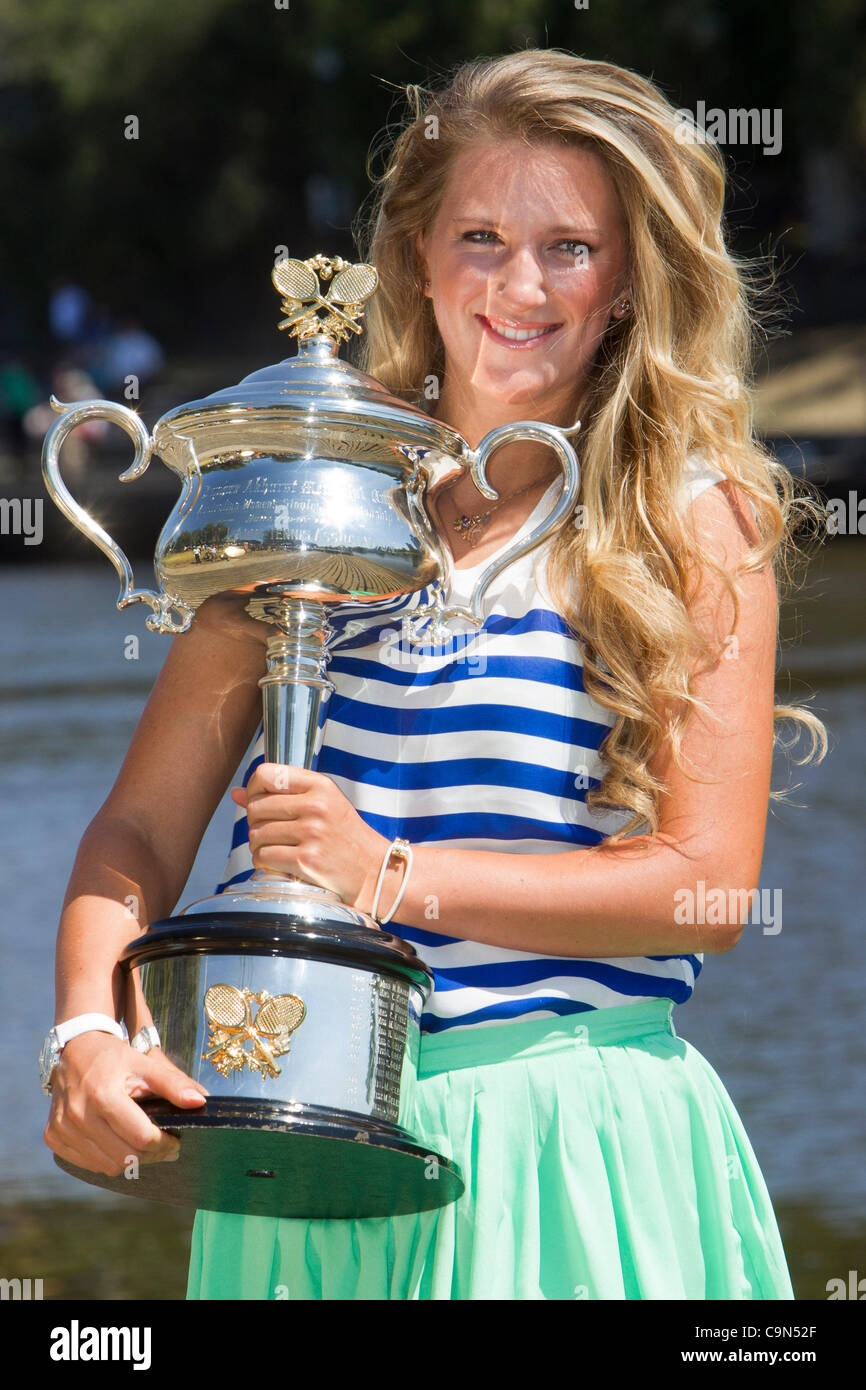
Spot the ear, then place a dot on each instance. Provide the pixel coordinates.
(623, 298)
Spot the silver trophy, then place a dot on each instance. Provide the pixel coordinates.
(304, 491)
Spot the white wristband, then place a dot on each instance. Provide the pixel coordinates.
(86, 1023)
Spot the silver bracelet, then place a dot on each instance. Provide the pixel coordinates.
(401, 849)
(146, 1038)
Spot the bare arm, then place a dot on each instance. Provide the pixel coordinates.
(131, 866)
(137, 853)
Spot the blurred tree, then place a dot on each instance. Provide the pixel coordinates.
(159, 153)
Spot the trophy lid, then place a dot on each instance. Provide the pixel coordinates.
(317, 382)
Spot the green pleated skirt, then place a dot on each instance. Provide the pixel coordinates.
(602, 1156)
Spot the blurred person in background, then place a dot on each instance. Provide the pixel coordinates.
(129, 351)
(68, 311)
(20, 391)
(69, 382)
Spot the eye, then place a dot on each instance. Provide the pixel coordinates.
(574, 247)
(470, 236)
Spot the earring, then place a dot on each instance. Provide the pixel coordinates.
(624, 306)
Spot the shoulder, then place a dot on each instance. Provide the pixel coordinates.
(732, 592)
(723, 516)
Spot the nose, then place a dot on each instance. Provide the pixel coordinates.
(519, 281)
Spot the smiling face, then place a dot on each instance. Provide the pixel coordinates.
(527, 262)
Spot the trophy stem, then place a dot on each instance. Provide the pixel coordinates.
(295, 691)
(295, 688)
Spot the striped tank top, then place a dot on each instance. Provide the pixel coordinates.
(490, 742)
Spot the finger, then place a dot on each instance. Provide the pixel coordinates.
(271, 777)
(163, 1078)
(282, 859)
(281, 777)
(277, 832)
(300, 863)
(121, 1151)
(83, 1154)
(157, 1055)
(123, 1126)
(98, 1147)
(270, 806)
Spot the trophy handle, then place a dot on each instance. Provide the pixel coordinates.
(70, 416)
(541, 433)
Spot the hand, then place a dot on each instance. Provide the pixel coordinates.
(94, 1121)
(301, 823)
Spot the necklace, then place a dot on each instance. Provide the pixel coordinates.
(469, 527)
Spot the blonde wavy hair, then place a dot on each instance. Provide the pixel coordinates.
(670, 380)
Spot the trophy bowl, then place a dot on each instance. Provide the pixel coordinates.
(304, 495)
(308, 1041)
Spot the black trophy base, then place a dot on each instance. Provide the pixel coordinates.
(267, 1159)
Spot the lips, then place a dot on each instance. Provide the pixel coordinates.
(513, 335)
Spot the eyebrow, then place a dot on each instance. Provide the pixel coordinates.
(554, 231)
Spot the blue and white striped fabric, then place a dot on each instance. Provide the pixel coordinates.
(489, 743)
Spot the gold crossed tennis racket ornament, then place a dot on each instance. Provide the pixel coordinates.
(299, 283)
(236, 1041)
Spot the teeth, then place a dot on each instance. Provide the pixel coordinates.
(519, 335)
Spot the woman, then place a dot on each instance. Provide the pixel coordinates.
(548, 246)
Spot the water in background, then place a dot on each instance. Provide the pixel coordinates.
(780, 1018)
